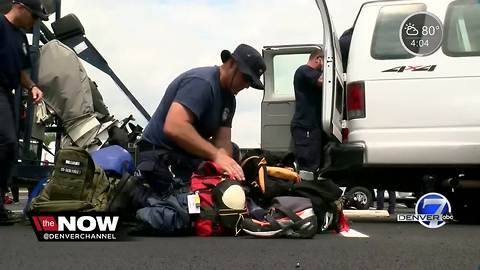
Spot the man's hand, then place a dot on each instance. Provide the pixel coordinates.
(27, 83)
(229, 165)
(320, 81)
(37, 94)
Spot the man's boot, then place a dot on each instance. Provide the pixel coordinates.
(7, 217)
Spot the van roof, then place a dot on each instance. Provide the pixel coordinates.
(388, 1)
(380, 2)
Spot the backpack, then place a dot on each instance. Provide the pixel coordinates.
(265, 181)
(75, 184)
(222, 201)
(291, 217)
(327, 204)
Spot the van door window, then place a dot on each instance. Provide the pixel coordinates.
(284, 67)
(386, 43)
(339, 95)
(462, 29)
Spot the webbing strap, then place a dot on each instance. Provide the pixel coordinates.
(297, 221)
(208, 212)
(262, 176)
(289, 213)
(232, 212)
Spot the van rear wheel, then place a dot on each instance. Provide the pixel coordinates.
(359, 197)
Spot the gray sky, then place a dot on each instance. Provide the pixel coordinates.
(149, 42)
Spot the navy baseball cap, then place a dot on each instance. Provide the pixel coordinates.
(249, 62)
(36, 7)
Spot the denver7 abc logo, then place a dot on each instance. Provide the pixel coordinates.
(432, 211)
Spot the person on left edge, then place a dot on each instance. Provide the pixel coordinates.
(14, 61)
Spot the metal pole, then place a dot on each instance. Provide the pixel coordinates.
(99, 62)
(58, 10)
(129, 95)
(34, 55)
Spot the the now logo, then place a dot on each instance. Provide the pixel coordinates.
(88, 224)
(73, 223)
(75, 227)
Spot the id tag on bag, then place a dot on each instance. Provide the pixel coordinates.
(193, 204)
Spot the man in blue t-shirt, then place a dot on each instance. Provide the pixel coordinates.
(194, 119)
(14, 61)
(306, 127)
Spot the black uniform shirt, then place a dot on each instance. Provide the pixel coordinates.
(308, 98)
(14, 54)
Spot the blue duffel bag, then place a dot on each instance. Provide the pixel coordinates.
(114, 160)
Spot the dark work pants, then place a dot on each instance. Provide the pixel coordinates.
(167, 172)
(7, 158)
(392, 198)
(8, 142)
(308, 148)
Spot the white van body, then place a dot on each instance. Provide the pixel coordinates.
(409, 122)
(418, 126)
(417, 117)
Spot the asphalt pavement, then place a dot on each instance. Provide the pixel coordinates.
(373, 245)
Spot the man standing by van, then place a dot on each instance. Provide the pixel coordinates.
(14, 61)
(306, 122)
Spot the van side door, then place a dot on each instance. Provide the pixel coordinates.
(278, 104)
(334, 85)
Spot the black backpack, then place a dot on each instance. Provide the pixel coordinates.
(325, 196)
(266, 181)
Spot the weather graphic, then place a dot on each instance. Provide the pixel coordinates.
(421, 33)
(410, 29)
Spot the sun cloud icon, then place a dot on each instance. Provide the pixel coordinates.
(411, 30)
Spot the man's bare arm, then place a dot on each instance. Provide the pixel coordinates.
(179, 128)
(223, 139)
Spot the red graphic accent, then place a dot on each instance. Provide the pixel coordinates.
(37, 224)
(413, 68)
(49, 223)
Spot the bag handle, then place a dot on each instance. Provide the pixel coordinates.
(248, 159)
(209, 168)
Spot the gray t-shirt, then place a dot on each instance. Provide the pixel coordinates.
(199, 91)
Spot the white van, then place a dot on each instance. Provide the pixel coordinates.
(410, 111)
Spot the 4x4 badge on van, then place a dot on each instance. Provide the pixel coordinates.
(401, 69)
